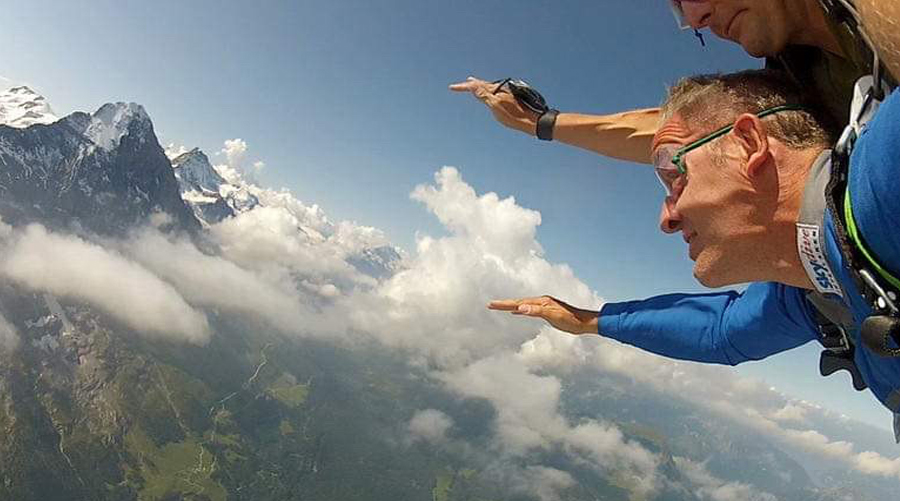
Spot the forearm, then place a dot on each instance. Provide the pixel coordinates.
(680, 326)
(724, 328)
(881, 19)
(626, 136)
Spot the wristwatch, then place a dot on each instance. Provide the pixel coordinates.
(545, 125)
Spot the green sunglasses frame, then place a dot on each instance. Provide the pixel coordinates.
(678, 158)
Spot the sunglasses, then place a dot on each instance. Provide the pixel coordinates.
(525, 94)
(678, 12)
(669, 163)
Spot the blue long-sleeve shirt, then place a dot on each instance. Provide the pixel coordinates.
(722, 328)
(768, 318)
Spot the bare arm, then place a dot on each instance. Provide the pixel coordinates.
(626, 135)
(881, 19)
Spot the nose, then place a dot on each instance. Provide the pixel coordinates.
(696, 13)
(669, 217)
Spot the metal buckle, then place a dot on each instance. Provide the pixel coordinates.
(883, 300)
(844, 345)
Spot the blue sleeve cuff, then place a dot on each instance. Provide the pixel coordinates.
(609, 320)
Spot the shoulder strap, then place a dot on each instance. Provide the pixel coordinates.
(880, 332)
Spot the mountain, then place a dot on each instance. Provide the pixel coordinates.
(215, 197)
(22, 107)
(200, 187)
(103, 172)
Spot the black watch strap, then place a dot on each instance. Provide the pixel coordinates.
(545, 125)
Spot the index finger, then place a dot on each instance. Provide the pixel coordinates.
(469, 85)
(512, 304)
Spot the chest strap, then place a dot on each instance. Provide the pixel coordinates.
(833, 318)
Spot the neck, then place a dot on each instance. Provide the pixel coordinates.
(785, 264)
(811, 27)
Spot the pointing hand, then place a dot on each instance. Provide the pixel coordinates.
(502, 104)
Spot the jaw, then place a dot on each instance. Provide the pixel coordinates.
(761, 30)
(716, 268)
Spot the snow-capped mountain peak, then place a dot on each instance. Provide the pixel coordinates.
(194, 171)
(22, 107)
(112, 121)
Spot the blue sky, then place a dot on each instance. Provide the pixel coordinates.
(347, 104)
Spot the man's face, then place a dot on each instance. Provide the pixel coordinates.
(761, 27)
(714, 208)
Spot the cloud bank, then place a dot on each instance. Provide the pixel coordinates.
(71, 267)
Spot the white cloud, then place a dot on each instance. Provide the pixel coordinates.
(876, 464)
(257, 168)
(69, 266)
(269, 239)
(436, 306)
(545, 483)
(708, 487)
(790, 412)
(234, 151)
(430, 425)
(529, 419)
(748, 402)
(236, 164)
(499, 228)
(212, 281)
(174, 151)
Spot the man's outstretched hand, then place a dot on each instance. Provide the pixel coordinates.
(502, 104)
(557, 313)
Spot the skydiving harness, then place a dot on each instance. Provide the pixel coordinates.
(880, 332)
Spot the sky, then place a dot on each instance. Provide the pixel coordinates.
(346, 104)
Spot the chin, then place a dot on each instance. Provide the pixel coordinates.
(705, 273)
(706, 280)
(762, 47)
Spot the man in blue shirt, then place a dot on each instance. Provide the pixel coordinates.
(745, 171)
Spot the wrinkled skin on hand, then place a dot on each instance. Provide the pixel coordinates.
(502, 104)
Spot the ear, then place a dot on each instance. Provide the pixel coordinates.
(752, 138)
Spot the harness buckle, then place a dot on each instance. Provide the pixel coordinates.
(834, 338)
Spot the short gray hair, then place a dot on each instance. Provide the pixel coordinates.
(708, 102)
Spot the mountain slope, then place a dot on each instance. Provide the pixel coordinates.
(22, 107)
(103, 172)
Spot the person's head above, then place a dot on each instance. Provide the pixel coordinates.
(738, 196)
(762, 27)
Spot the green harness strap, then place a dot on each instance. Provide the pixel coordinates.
(853, 233)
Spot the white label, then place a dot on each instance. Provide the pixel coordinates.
(813, 257)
